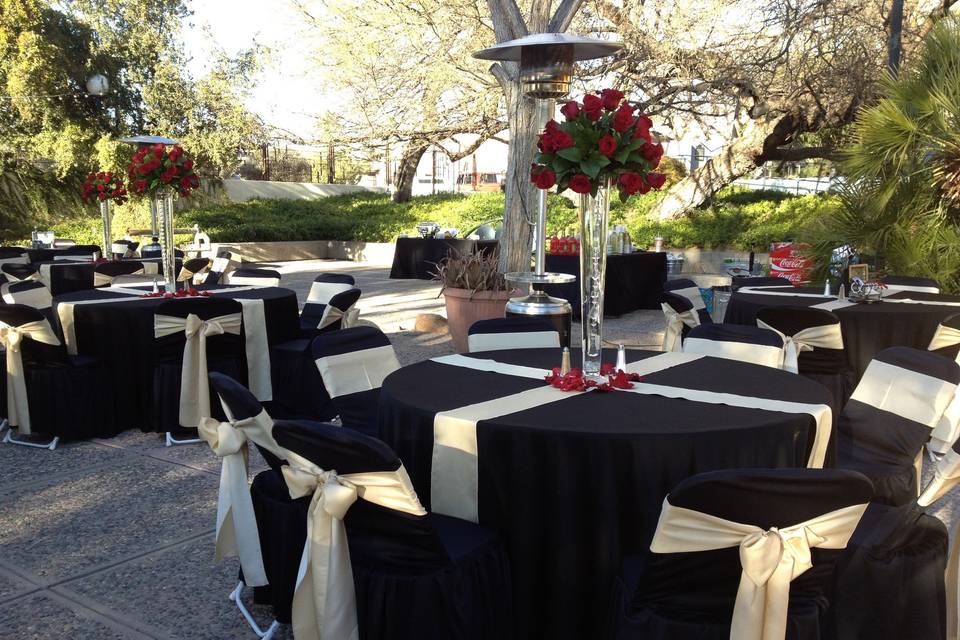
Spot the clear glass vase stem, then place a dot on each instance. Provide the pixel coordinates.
(594, 211)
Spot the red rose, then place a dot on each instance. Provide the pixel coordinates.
(187, 165)
(656, 180)
(542, 176)
(102, 197)
(99, 187)
(607, 145)
(562, 140)
(623, 118)
(630, 182)
(642, 128)
(593, 106)
(551, 127)
(611, 98)
(545, 143)
(185, 182)
(176, 152)
(652, 153)
(140, 186)
(580, 183)
(570, 110)
(593, 116)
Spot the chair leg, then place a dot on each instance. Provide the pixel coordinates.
(51, 445)
(3, 425)
(172, 441)
(266, 635)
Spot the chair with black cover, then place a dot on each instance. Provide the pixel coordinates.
(737, 554)
(910, 283)
(221, 265)
(391, 569)
(254, 277)
(191, 337)
(45, 391)
(353, 364)
(31, 293)
(104, 274)
(266, 528)
(131, 251)
(497, 334)
(813, 346)
(680, 317)
(81, 251)
(895, 409)
(330, 304)
(7, 253)
(759, 281)
(946, 339)
(120, 249)
(689, 290)
(736, 342)
(15, 272)
(192, 268)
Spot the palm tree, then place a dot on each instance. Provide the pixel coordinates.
(901, 200)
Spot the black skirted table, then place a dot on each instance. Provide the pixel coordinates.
(117, 328)
(574, 483)
(417, 258)
(867, 328)
(633, 281)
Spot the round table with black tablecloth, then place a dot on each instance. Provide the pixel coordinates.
(574, 485)
(118, 329)
(633, 281)
(417, 258)
(867, 328)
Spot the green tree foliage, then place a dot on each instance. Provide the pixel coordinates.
(901, 204)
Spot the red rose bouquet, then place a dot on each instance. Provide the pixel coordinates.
(601, 138)
(103, 186)
(153, 168)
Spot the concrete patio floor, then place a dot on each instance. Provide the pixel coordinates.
(113, 538)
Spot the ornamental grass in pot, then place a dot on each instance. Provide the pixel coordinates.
(473, 289)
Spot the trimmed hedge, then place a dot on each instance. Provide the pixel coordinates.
(737, 219)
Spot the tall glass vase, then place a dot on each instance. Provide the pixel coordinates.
(163, 202)
(107, 218)
(594, 211)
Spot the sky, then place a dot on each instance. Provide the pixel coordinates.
(282, 97)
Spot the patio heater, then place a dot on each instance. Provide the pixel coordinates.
(161, 219)
(546, 70)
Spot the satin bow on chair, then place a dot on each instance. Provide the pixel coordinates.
(827, 336)
(194, 385)
(105, 280)
(945, 336)
(12, 337)
(770, 559)
(673, 333)
(324, 603)
(237, 533)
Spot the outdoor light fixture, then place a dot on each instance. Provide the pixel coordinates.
(97, 85)
(546, 72)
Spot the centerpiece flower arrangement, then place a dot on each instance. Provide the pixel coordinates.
(104, 187)
(603, 143)
(603, 139)
(159, 173)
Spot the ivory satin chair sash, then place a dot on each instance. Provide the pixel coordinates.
(237, 533)
(762, 354)
(827, 336)
(945, 336)
(253, 281)
(324, 602)
(356, 371)
(946, 475)
(194, 384)
(673, 332)
(257, 348)
(693, 295)
(330, 315)
(770, 559)
(104, 280)
(14, 278)
(12, 337)
(38, 298)
(322, 292)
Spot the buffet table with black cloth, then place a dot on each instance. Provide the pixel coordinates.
(117, 326)
(417, 258)
(867, 329)
(633, 281)
(576, 483)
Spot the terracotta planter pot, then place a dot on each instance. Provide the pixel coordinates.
(465, 307)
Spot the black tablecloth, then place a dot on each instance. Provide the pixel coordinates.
(633, 281)
(575, 485)
(121, 335)
(867, 328)
(67, 276)
(416, 258)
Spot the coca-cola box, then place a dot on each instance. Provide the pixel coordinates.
(787, 261)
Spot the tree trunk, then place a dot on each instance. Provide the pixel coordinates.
(407, 171)
(331, 164)
(740, 157)
(895, 44)
(521, 197)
